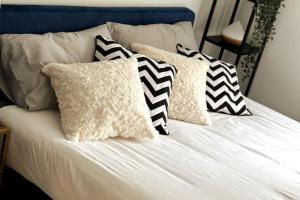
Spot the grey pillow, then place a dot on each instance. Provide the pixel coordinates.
(162, 36)
(24, 55)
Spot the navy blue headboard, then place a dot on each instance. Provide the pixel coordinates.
(41, 19)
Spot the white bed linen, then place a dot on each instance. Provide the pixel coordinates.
(247, 158)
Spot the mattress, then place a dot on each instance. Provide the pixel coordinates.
(249, 158)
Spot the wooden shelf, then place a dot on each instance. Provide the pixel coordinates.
(4, 133)
(217, 40)
(3, 130)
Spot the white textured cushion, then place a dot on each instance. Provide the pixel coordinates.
(163, 36)
(157, 78)
(187, 100)
(100, 100)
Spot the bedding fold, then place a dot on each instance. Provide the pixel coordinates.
(228, 160)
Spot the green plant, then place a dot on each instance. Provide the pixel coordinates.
(264, 31)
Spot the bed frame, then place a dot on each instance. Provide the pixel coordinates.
(41, 19)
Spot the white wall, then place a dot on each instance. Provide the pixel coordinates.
(277, 82)
(193, 4)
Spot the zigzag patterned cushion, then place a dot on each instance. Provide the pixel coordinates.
(223, 93)
(157, 78)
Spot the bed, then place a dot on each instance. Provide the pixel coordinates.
(247, 158)
(260, 154)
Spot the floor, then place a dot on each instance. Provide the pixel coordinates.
(14, 186)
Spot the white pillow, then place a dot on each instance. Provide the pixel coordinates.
(24, 55)
(187, 100)
(163, 36)
(101, 100)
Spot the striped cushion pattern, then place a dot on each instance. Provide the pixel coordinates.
(223, 93)
(157, 78)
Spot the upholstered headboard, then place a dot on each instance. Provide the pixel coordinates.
(42, 19)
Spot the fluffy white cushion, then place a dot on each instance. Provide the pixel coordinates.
(100, 100)
(187, 100)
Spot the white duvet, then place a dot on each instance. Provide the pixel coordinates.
(247, 158)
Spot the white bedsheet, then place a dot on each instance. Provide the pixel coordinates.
(247, 158)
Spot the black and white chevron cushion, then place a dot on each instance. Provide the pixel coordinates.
(223, 93)
(157, 78)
